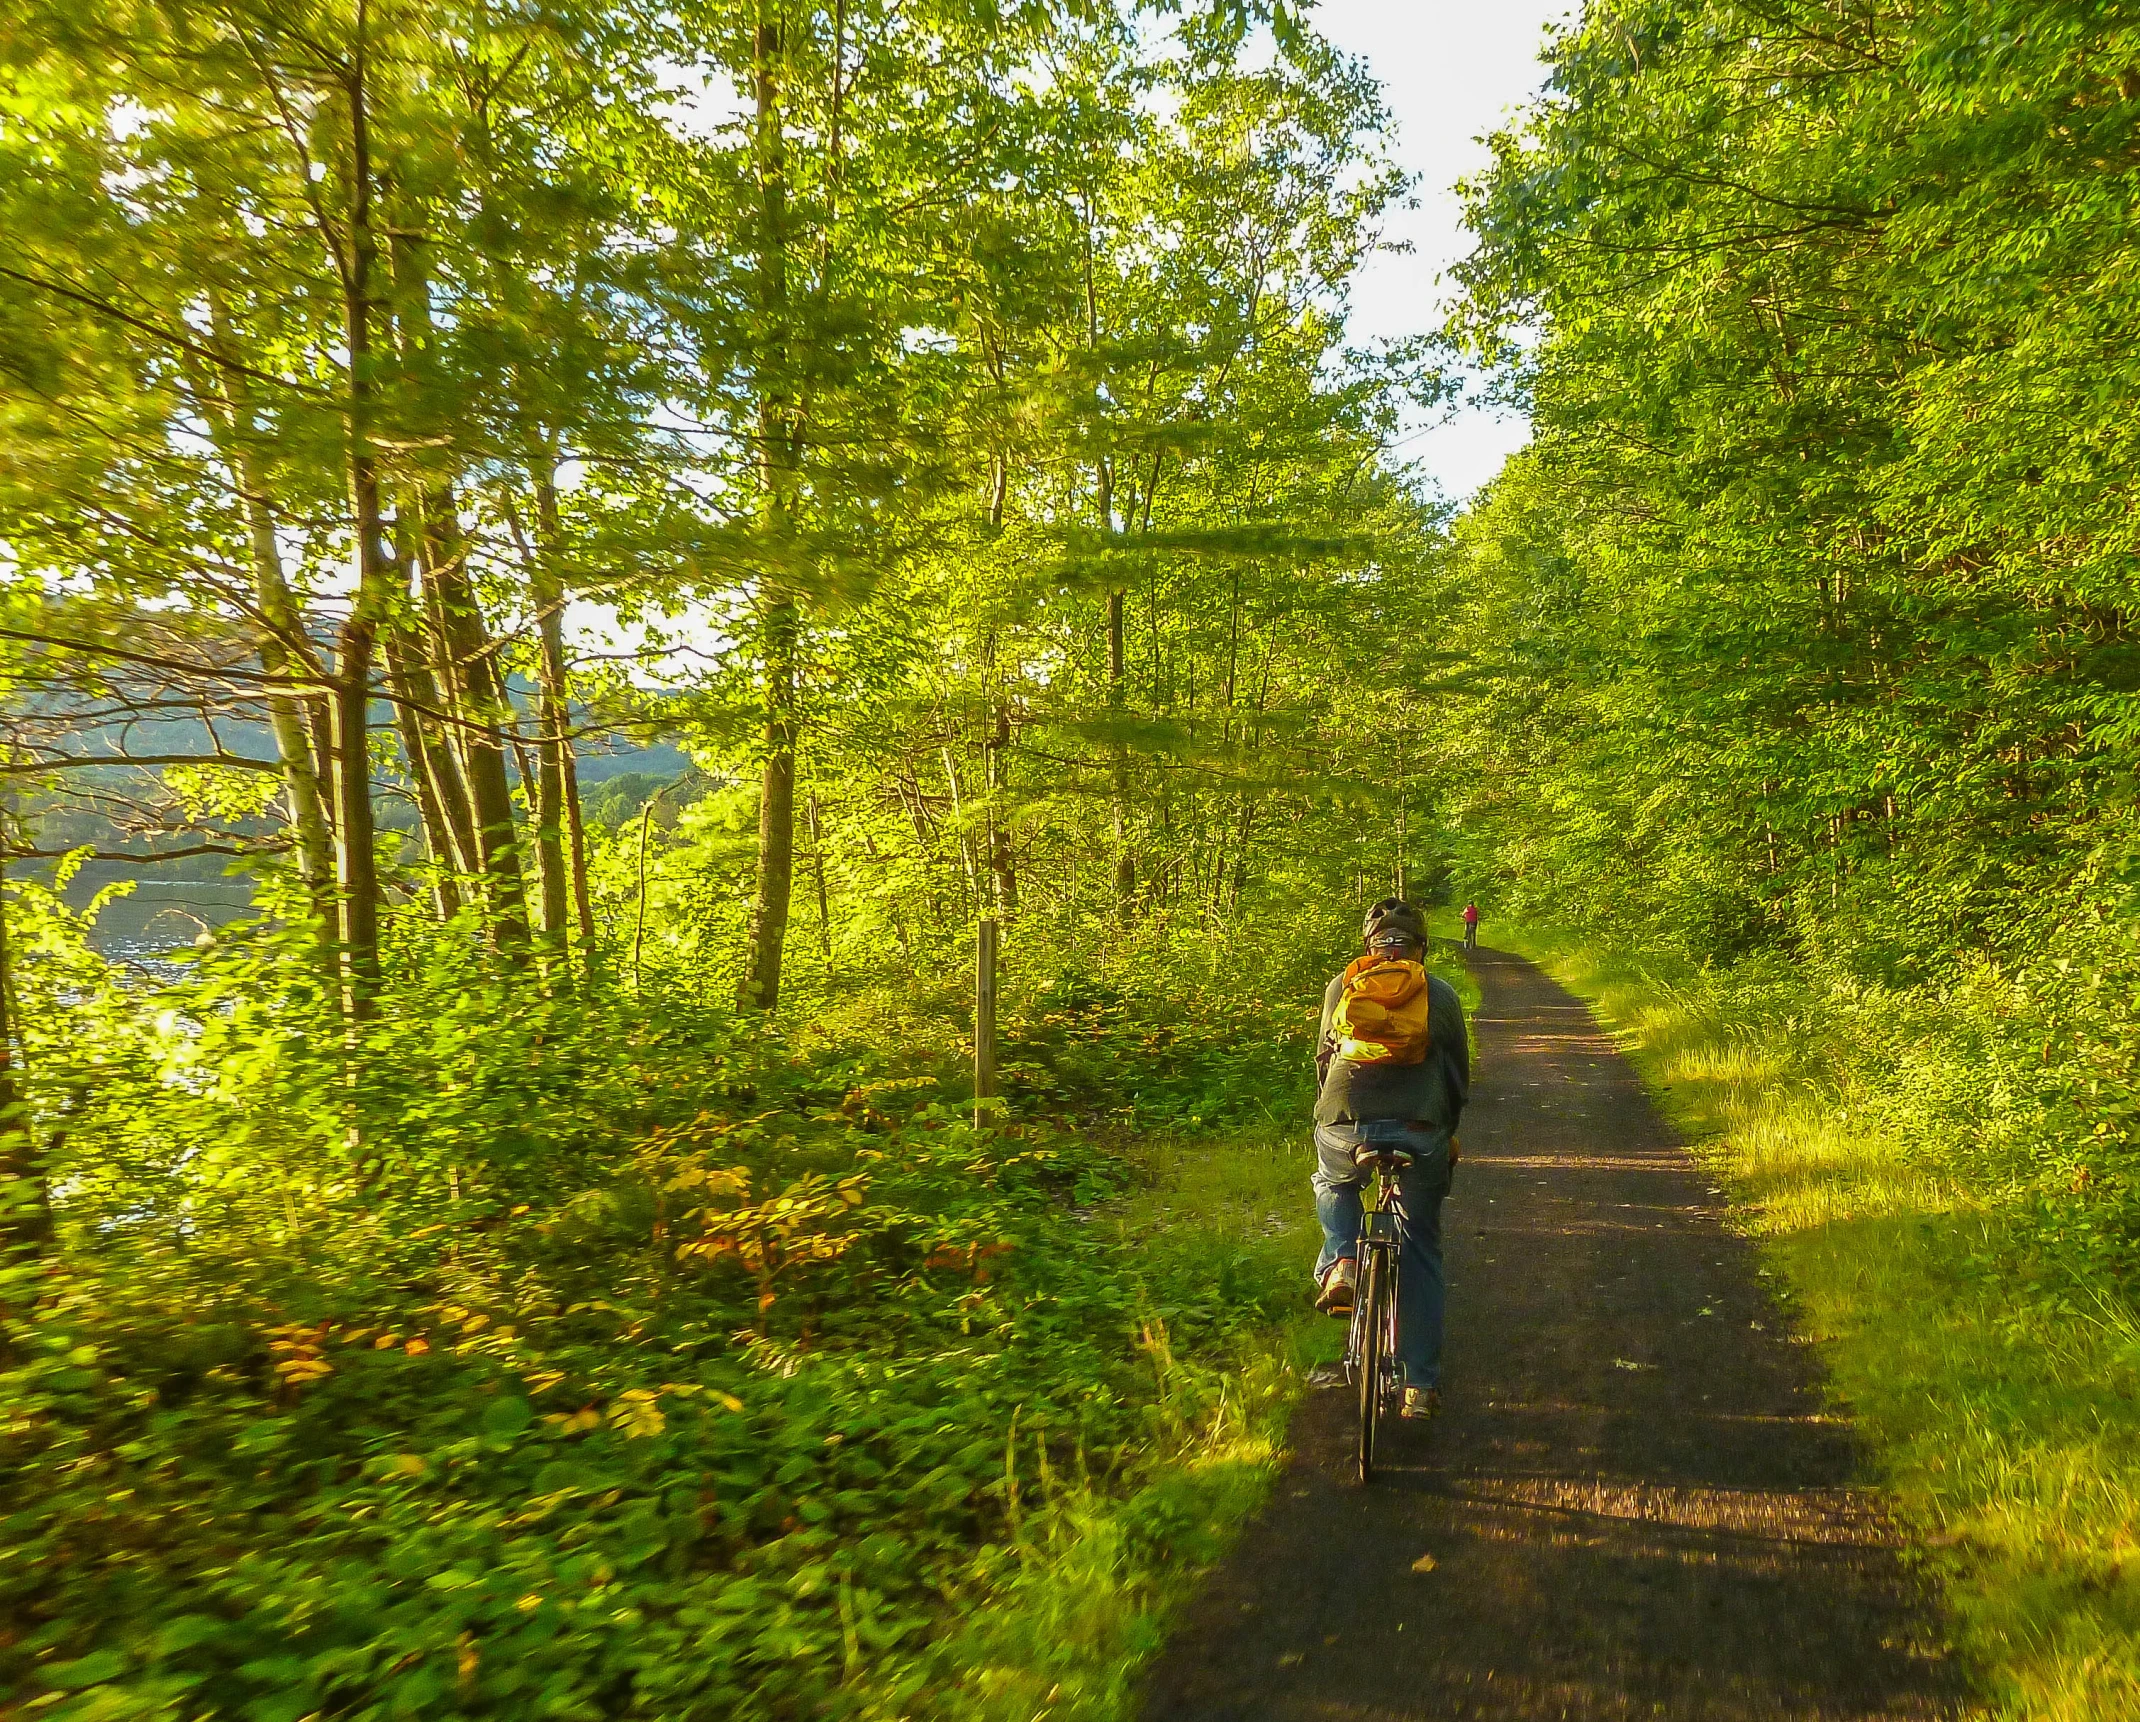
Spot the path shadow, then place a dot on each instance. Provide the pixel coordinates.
(1636, 1504)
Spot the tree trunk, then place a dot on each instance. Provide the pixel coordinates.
(466, 659)
(547, 884)
(549, 593)
(780, 620)
(448, 832)
(576, 853)
(287, 720)
(356, 869)
(319, 725)
(817, 865)
(356, 865)
(1002, 860)
(25, 1188)
(553, 736)
(984, 1019)
(469, 670)
(1117, 704)
(776, 814)
(555, 890)
(357, 875)
(284, 648)
(646, 819)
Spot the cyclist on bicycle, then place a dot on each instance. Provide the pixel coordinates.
(1411, 1104)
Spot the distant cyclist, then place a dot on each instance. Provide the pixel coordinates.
(1394, 1067)
(1471, 926)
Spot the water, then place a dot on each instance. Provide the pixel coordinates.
(162, 916)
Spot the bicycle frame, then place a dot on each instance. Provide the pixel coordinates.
(1371, 1344)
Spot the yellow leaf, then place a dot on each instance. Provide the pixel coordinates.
(638, 1417)
(1425, 1564)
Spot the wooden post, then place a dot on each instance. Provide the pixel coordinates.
(984, 1019)
(646, 818)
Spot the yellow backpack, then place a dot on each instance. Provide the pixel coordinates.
(1382, 1012)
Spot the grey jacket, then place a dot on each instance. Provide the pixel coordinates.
(1430, 1092)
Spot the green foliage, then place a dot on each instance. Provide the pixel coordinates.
(1821, 560)
(601, 1357)
(618, 801)
(1797, 647)
(1770, 658)
(450, 1304)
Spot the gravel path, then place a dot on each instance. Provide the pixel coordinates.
(1634, 1505)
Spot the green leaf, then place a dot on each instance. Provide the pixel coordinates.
(187, 1631)
(505, 1418)
(91, 1670)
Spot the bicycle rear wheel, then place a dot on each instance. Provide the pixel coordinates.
(1374, 1331)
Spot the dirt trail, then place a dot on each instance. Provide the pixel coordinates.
(1634, 1503)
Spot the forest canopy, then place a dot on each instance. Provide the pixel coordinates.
(801, 625)
(1824, 549)
(554, 1252)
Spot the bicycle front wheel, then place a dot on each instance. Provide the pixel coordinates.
(1374, 1335)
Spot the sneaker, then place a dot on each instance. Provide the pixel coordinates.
(1339, 1284)
(1422, 1402)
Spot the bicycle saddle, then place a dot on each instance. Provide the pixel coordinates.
(1374, 1153)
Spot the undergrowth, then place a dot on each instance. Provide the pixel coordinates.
(1910, 1165)
(606, 1357)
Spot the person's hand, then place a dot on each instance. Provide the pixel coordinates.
(1456, 1150)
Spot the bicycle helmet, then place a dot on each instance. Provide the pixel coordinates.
(1391, 921)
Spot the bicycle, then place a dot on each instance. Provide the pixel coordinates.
(1371, 1343)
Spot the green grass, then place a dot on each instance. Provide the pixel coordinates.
(1090, 1583)
(1097, 1581)
(2000, 1402)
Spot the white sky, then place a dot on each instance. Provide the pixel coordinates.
(1451, 71)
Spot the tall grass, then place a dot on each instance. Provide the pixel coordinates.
(1084, 1593)
(1897, 1179)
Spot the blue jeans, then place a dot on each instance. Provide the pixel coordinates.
(1421, 1290)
